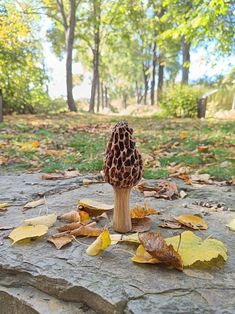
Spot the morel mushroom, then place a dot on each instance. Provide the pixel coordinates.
(123, 170)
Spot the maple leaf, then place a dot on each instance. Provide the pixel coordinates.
(156, 246)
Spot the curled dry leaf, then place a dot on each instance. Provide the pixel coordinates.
(61, 241)
(86, 231)
(161, 189)
(74, 225)
(157, 247)
(3, 207)
(34, 204)
(27, 232)
(143, 257)
(192, 221)
(141, 224)
(141, 211)
(46, 220)
(94, 208)
(195, 251)
(72, 216)
(171, 225)
(61, 175)
(100, 244)
(231, 225)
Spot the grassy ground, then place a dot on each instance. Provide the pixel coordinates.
(50, 143)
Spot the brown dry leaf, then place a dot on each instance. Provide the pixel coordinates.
(72, 216)
(71, 174)
(157, 247)
(86, 231)
(141, 211)
(69, 227)
(141, 224)
(59, 242)
(61, 175)
(52, 176)
(94, 208)
(143, 257)
(34, 204)
(192, 221)
(203, 149)
(161, 189)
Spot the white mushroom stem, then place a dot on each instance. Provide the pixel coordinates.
(121, 216)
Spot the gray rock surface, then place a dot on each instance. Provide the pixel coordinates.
(37, 278)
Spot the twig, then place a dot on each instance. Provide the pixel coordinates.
(82, 243)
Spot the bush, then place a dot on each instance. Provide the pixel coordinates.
(180, 101)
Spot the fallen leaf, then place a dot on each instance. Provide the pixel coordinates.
(72, 216)
(171, 225)
(26, 232)
(35, 144)
(132, 238)
(84, 217)
(34, 204)
(141, 224)
(231, 225)
(86, 231)
(94, 208)
(100, 244)
(59, 242)
(202, 178)
(52, 176)
(195, 251)
(157, 247)
(67, 174)
(71, 226)
(71, 174)
(141, 211)
(46, 220)
(161, 189)
(87, 182)
(3, 206)
(143, 257)
(203, 149)
(183, 194)
(183, 135)
(192, 221)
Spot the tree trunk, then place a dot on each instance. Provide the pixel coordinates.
(124, 100)
(146, 84)
(139, 96)
(69, 37)
(98, 94)
(102, 94)
(1, 107)
(185, 60)
(160, 76)
(153, 74)
(106, 97)
(96, 54)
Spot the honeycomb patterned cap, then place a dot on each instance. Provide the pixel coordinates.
(123, 163)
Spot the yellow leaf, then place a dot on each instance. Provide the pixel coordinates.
(46, 220)
(93, 208)
(35, 144)
(143, 257)
(84, 217)
(26, 232)
(195, 251)
(231, 225)
(33, 204)
(101, 243)
(183, 135)
(142, 211)
(3, 206)
(192, 221)
(133, 238)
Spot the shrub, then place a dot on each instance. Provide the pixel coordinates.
(180, 101)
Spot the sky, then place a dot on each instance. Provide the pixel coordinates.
(200, 67)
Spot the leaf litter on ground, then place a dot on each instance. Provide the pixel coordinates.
(161, 189)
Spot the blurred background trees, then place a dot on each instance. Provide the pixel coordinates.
(136, 52)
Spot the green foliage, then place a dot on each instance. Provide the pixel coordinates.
(180, 101)
(22, 75)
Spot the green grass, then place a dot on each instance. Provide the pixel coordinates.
(79, 141)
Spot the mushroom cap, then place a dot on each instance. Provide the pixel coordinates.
(123, 163)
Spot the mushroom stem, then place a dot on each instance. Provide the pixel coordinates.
(121, 216)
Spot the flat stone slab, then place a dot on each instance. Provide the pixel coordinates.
(37, 278)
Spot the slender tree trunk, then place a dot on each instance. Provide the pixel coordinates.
(124, 100)
(98, 93)
(185, 60)
(106, 97)
(102, 94)
(1, 107)
(160, 76)
(146, 84)
(139, 95)
(69, 37)
(153, 74)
